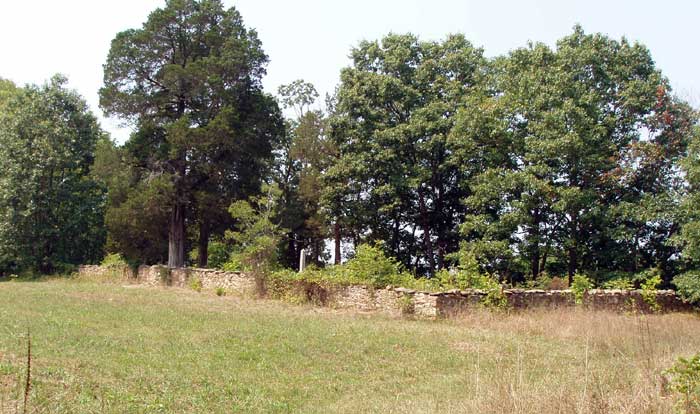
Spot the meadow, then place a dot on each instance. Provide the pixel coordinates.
(109, 348)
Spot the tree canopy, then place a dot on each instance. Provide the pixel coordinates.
(190, 80)
(51, 210)
(575, 159)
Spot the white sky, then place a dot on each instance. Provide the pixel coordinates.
(311, 39)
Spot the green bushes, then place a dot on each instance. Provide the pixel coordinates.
(581, 284)
(371, 267)
(219, 253)
(685, 382)
(651, 280)
(688, 285)
(113, 260)
(195, 284)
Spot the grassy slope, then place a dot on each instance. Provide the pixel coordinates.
(107, 348)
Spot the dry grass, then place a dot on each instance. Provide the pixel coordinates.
(107, 348)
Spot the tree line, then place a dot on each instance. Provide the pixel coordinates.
(576, 158)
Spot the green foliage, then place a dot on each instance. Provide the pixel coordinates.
(190, 79)
(256, 235)
(371, 266)
(220, 291)
(219, 253)
(650, 281)
(137, 219)
(51, 208)
(195, 284)
(688, 285)
(466, 276)
(685, 381)
(398, 167)
(114, 260)
(580, 285)
(619, 283)
(301, 162)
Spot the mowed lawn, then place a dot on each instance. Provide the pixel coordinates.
(125, 349)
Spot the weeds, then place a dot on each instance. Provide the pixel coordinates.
(195, 284)
(28, 379)
(685, 382)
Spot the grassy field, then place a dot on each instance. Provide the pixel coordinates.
(121, 349)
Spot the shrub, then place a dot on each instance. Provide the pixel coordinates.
(407, 306)
(218, 254)
(651, 281)
(256, 235)
(619, 283)
(220, 291)
(113, 260)
(372, 267)
(543, 281)
(688, 286)
(195, 284)
(581, 284)
(685, 381)
(467, 275)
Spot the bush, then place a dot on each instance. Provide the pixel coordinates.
(685, 381)
(467, 275)
(371, 267)
(220, 291)
(618, 283)
(113, 260)
(651, 280)
(581, 284)
(688, 286)
(218, 254)
(195, 284)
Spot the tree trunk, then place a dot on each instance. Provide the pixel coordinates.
(203, 245)
(535, 263)
(544, 259)
(176, 236)
(292, 255)
(427, 243)
(573, 258)
(573, 253)
(336, 235)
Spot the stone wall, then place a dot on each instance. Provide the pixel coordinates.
(107, 272)
(234, 282)
(392, 301)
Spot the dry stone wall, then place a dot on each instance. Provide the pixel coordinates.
(392, 301)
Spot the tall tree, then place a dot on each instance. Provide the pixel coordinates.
(580, 160)
(396, 176)
(51, 210)
(301, 164)
(190, 80)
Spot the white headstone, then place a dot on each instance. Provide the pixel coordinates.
(302, 260)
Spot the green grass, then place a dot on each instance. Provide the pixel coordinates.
(127, 349)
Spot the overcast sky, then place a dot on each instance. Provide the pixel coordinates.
(311, 39)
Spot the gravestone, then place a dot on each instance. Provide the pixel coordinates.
(302, 260)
